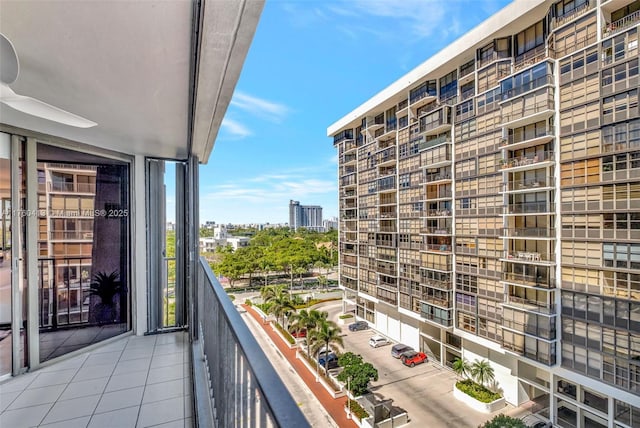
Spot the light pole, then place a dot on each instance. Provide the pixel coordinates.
(348, 398)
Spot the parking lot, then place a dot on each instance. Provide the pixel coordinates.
(424, 391)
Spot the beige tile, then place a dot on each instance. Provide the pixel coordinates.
(164, 374)
(122, 418)
(81, 422)
(94, 372)
(162, 391)
(53, 378)
(72, 409)
(126, 381)
(84, 388)
(128, 366)
(161, 412)
(35, 396)
(26, 417)
(102, 358)
(120, 399)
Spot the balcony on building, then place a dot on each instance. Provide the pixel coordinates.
(539, 207)
(437, 244)
(536, 183)
(435, 279)
(439, 262)
(534, 134)
(533, 257)
(620, 15)
(441, 175)
(436, 228)
(441, 299)
(564, 12)
(529, 108)
(422, 94)
(435, 120)
(529, 275)
(522, 160)
(530, 300)
(343, 136)
(385, 157)
(526, 233)
(440, 316)
(466, 72)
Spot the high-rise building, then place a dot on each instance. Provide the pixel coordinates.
(306, 216)
(490, 207)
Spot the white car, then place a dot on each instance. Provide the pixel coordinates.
(377, 340)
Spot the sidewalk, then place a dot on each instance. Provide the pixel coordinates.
(334, 406)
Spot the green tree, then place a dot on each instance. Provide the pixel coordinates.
(461, 367)
(327, 333)
(502, 421)
(357, 372)
(307, 320)
(278, 300)
(322, 281)
(482, 372)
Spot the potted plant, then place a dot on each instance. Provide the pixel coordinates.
(106, 287)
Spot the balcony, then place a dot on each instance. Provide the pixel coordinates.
(530, 208)
(558, 21)
(530, 305)
(528, 257)
(529, 232)
(428, 230)
(494, 56)
(530, 58)
(529, 138)
(439, 284)
(528, 161)
(528, 113)
(527, 185)
(232, 373)
(439, 248)
(440, 302)
(621, 24)
(438, 213)
(433, 142)
(543, 281)
(440, 178)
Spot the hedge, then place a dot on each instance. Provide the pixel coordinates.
(356, 409)
(285, 333)
(477, 391)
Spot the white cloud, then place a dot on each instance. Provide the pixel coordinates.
(260, 107)
(235, 129)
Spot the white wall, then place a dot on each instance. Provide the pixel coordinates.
(504, 366)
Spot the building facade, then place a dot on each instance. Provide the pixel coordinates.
(306, 216)
(490, 207)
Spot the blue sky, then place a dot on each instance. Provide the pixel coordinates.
(312, 62)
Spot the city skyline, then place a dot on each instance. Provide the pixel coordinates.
(272, 145)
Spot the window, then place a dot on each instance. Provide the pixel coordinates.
(449, 85)
(530, 38)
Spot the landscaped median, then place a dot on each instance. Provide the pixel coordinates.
(325, 379)
(477, 396)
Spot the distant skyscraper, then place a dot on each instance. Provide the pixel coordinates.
(307, 216)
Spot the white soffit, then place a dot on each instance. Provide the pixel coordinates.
(126, 65)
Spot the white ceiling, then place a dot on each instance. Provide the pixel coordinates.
(127, 65)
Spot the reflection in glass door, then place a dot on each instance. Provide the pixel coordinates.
(83, 249)
(5, 255)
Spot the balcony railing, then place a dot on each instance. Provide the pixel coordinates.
(529, 86)
(538, 281)
(525, 111)
(557, 21)
(531, 305)
(442, 285)
(495, 56)
(530, 207)
(529, 183)
(530, 135)
(530, 232)
(531, 57)
(621, 24)
(437, 247)
(527, 256)
(244, 388)
(531, 159)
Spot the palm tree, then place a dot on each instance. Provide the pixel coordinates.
(279, 299)
(327, 333)
(482, 372)
(461, 367)
(307, 320)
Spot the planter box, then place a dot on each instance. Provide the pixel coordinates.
(478, 405)
(284, 339)
(323, 382)
(354, 418)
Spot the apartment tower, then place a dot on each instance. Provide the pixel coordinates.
(490, 207)
(306, 216)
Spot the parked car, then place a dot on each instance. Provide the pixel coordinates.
(331, 359)
(377, 341)
(411, 358)
(299, 333)
(398, 349)
(358, 325)
(535, 421)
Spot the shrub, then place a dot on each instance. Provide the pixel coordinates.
(232, 297)
(356, 409)
(502, 421)
(248, 302)
(356, 373)
(477, 391)
(345, 316)
(285, 333)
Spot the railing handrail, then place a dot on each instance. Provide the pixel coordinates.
(274, 394)
(621, 24)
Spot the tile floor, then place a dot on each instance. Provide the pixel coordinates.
(132, 382)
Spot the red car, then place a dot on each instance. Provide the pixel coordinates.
(411, 358)
(299, 333)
